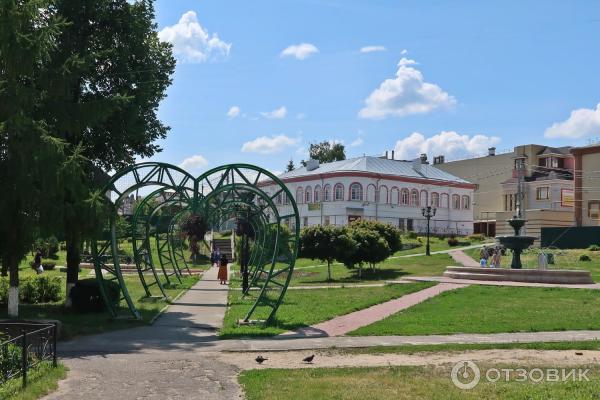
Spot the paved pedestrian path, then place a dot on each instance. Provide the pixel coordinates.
(350, 322)
(154, 362)
(463, 258)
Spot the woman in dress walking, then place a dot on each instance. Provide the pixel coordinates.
(222, 274)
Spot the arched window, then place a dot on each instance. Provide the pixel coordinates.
(424, 198)
(435, 199)
(370, 197)
(414, 198)
(308, 195)
(404, 197)
(327, 193)
(338, 190)
(466, 203)
(444, 200)
(356, 192)
(456, 202)
(299, 195)
(395, 196)
(317, 194)
(383, 195)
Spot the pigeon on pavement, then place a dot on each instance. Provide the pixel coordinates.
(260, 359)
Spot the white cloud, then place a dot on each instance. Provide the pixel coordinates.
(233, 112)
(372, 49)
(581, 122)
(447, 143)
(300, 116)
(299, 51)
(403, 52)
(405, 94)
(278, 113)
(357, 142)
(195, 161)
(191, 42)
(269, 145)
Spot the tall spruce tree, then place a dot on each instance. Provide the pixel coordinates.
(30, 158)
(105, 82)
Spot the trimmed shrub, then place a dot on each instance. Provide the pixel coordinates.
(86, 295)
(48, 265)
(411, 235)
(34, 289)
(594, 247)
(584, 257)
(452, 242)
(478, 237)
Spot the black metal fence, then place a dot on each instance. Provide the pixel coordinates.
(23, 347)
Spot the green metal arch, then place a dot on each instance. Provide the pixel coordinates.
(233, 189)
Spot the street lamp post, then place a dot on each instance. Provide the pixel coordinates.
(428, 212)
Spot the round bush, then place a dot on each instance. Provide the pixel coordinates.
(584, 257)
(594, 247)
(86, 295)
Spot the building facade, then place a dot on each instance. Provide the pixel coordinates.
(587, 185)
(547, 187)
(381, 189)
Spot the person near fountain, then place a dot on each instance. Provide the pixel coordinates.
(496, 257)
(483, 257)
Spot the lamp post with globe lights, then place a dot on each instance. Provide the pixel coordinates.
(428, 212)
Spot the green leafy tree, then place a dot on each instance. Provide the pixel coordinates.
(371, 248)
(325, 243)
(326, 152)
(104, 83)
(30, 157)
(390, 233)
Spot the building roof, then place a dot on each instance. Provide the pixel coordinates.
(376, 165)
(555, 150)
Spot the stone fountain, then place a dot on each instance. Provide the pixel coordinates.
(516, 242)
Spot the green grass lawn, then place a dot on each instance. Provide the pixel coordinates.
(492, 309)
(391, 269)
(307, 307)
(406, 383)
(42, 380)
(74, 324)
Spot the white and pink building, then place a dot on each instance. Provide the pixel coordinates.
(377, 188)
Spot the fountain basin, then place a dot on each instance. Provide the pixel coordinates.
(516, 242)
(549, 276)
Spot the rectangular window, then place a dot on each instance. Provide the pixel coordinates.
(401, 224)
(543, 193)
(305, 221)
(409, 224)
(594, 209)
(326, 220)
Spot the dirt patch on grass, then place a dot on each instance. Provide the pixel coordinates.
(334, 358)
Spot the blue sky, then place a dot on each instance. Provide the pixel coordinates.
(444, 77)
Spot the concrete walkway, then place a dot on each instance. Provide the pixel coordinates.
(153, 362)
(350, 322)
(463, 258)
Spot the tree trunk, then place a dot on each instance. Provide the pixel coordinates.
(329, 270)
(73, 260)
(13, 291)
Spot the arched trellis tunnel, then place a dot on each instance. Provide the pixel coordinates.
(160, 246)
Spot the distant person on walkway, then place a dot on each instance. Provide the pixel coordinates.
(37, 262)
(222, 274)
(215, 257)
(483, 257)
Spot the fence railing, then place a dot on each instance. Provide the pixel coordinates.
(23, 347)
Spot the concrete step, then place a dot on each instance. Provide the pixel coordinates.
(520, 275)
